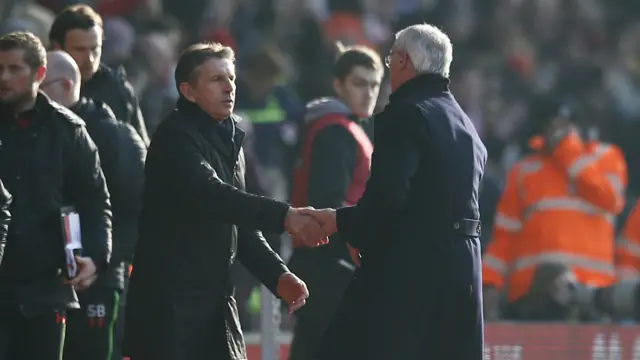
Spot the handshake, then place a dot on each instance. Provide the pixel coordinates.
(311, 228)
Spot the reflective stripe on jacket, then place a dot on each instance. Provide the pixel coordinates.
(558, 208)
(628, 247)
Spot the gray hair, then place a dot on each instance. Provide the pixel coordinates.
(429, 48)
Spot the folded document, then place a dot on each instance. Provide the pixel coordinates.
(70, 221)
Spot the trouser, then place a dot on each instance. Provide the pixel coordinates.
(314, 318)
(90, 330)
(118, 336)
(38, 337)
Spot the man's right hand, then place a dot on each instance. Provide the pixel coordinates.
(305, 228)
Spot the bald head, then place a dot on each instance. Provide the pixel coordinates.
(62, 82)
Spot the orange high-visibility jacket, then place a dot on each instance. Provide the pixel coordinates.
(558, 208)
(628, 247)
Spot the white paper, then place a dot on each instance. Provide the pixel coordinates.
(73, 241)
(74, 235)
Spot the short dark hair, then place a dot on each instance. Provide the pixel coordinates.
(352, 56)
(195, 55)
(71, 18)
(35, 55)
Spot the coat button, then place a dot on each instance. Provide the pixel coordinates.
(456, 225)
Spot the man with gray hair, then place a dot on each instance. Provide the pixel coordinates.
(418, 292)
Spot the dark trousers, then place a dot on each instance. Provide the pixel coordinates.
(90, 330)
(118, 336)
(38, 337)
(327, 278)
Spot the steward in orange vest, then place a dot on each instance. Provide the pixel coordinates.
(558, 207)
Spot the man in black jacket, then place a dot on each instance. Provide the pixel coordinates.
(418, 292)
(47, 162)
(78, 31)
(5, 217)
(90, 332)
(197, 219)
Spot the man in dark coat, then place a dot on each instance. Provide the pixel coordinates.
(90, 332)
(79, 31)
(196, 220)
(48, 163)
(417, 294)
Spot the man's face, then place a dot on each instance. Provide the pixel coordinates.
(85, 46)
(359, 90)
(399, 68)
(215, 88)
(17, 79)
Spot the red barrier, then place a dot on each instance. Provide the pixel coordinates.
(537, 342)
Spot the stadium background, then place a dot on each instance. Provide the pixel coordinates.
(506, 52)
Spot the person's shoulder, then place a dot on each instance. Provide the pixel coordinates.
(116, 76)
(174, 128)
(60, 114)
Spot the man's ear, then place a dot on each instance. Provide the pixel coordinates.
(67, 85)
(187, 91)
(405, 60)
(41, 72)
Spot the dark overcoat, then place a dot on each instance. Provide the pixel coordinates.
(196, 220)
(418, 292)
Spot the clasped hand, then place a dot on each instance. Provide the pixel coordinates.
(311, 227)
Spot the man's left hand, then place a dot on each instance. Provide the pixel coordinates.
(293, 291)
(86, 274)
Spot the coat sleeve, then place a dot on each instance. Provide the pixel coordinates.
(5, 217)
(600, 176)
(87, 189)
(129, 180)
(394, 162)
(196, 184)
(628, 247)
(507, 225)
(259, 259)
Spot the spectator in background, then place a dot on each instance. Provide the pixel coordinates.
(158, 43)
(274, 109)
(78, 30)
(332, 170)
(559, 205)
(28, 15)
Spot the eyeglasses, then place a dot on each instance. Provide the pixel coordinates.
(387, 60)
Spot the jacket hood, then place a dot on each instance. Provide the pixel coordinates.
(325, 106)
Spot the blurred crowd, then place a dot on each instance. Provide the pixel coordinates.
(506, 52)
